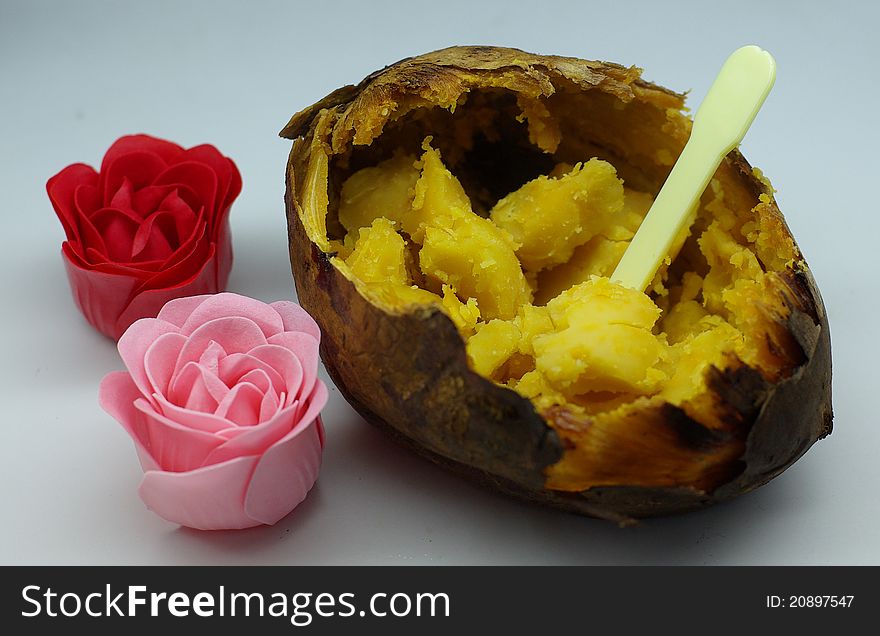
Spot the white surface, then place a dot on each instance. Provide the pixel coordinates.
(74, 76)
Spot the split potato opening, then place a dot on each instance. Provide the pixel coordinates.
(501, 197)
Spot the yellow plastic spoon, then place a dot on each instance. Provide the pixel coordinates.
(721, 122)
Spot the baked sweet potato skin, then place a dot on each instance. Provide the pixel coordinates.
(407, 371)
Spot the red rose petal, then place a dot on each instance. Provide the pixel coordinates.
(148, 302)
(156, 238)
(234, 186)
(182, 264)
(100, 297)
(228, 177)
(197, 176)
(189, 196)
(140, 168)
(72, 251)
(197, 240)
(147, 199)
(141, 270)
(224, 255)
(123, 198)
(62, 193)
(95, 257)
(183, 244)
(87, 199)
(167, 151)
(118, 229)
(90, 236)
(185, 219)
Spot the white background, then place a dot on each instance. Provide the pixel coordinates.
(74, 76)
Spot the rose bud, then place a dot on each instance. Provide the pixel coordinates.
(152, 225)
(222, 400)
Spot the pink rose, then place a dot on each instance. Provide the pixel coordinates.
(222, 400)
(152, 225)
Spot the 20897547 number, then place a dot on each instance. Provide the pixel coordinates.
(815, 600)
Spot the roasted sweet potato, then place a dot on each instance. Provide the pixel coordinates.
(453, 219)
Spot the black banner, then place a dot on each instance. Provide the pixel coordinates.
(425, 600)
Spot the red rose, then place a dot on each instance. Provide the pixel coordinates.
(151, 226)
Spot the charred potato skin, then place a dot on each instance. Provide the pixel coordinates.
(407, 372)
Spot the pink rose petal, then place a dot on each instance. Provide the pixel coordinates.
(241, 405)
(269, 406)
(232, 431)
(259, 378)
(316, 401)
(134, 344)
(254, 440)
(159, 361)
(284, 475)
(225, 420)
(229, 305)
(210, 359)
(116, 395)
(305, 347)
(196, 378)
(209, 498)
(295, 318)
(207, 422)
(177, 310)
(195, 389)
(175, 447)
(234, 367)
(234, 333)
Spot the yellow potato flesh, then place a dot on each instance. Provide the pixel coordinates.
(528, 287)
